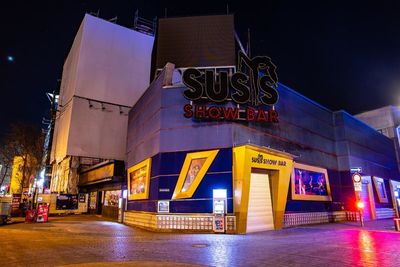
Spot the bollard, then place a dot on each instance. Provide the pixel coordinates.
(397, 224)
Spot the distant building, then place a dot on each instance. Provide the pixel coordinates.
(385, 120)
(105, 73)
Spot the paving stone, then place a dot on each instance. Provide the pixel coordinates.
(86, 240)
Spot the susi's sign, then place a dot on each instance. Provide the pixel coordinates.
(253, 85)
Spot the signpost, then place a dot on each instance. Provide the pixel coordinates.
(356, 170)
(357, 181)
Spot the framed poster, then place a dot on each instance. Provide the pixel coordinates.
(93, 200)
(82, 198)
(310, 183)
(67, 202)
(379, 184)
(112, 198)
(193, 170)
(163, 206)
(139, 180)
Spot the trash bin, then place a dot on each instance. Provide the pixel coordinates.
(397, 224)
(5, 211)
(30, 216)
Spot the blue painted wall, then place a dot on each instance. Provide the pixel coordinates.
(312, 133)
(164, 175)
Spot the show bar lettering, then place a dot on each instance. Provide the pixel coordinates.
(229, 113)
(253, 85)
(261, 160)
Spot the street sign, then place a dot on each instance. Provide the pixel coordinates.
(356, 169)
(358, 187)
(357, 182)
(356, 178)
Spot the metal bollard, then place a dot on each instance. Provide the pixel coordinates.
(397, 224)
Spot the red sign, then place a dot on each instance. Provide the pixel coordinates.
(30, 216)
(255, 83)
(42, 212)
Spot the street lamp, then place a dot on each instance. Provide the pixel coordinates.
(360, 206)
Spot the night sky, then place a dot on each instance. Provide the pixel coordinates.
(341, 54)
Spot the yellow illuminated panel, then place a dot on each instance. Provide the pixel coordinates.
(278, 166)
(16, 175)
(193, 171)
(310, 183)
(139, 180)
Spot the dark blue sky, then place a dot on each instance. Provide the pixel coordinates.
(342, 54)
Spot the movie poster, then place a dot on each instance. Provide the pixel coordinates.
(112, 198)
(310, 183)
(194, 168)
(138, 180)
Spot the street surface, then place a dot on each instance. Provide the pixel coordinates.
(87, 240)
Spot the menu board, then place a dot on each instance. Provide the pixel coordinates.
(67, 202)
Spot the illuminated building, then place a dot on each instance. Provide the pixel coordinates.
(274, 173)
(245, 154)
(106, 71)
(386, 120)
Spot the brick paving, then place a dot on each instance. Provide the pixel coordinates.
(91, 241)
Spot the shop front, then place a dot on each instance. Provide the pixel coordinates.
(261, 179)
(187, 173)
(395, 186)
(103, 184)
(226, 148)
(233, 190)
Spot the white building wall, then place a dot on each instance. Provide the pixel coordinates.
(114, 62)
(379, 119)
(98, 130)
(107, 63)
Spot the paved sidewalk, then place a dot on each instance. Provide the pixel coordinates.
(375, 225)
(85, 240)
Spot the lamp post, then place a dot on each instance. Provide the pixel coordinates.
(360, 207)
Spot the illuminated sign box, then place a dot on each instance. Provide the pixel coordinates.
(163, 206)
(139, 180)
(255, 83)
(310, 183)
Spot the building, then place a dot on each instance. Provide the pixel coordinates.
(386, 120)
(231, 163)
(214, 143)
(105, 73)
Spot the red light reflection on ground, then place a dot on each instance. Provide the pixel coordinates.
(372, 248)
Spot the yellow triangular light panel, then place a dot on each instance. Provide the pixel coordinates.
(193, 171)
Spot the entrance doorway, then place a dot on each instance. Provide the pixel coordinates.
(366, 196)
(397, 199)
(99, 204)
(259, 215)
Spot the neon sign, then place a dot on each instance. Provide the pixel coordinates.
(253, 85)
